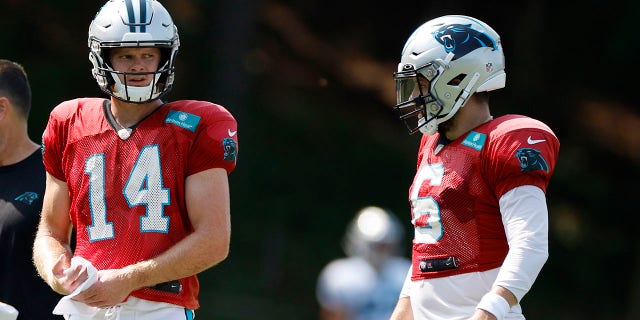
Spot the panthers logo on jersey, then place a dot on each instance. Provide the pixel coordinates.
(230, 149)
(531, 160)
(462, 39)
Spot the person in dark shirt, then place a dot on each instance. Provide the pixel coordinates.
(22, 183)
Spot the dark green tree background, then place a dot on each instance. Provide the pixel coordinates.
(310, 83)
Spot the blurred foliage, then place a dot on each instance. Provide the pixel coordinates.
(310, 85)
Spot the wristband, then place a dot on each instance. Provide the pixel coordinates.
(494, 304)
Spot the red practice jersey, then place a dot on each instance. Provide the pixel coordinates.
(128, 196)
(454, 196)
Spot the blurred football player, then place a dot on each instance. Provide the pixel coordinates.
(478, 203)
(142, 182)
(365, 285)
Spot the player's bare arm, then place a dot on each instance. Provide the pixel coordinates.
(207, 197)
(402, 310)
(51, 251)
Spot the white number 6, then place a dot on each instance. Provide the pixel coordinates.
(426, 210)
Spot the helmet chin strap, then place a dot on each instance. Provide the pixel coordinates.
(429, 125)
(429, 128)
(133, 94)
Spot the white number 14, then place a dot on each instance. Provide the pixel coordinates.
(143, 188)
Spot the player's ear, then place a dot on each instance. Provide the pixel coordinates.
(4, 107)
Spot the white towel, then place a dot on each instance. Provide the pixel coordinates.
(68, 306)
(8, 312)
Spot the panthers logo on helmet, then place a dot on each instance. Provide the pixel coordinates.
(230, 150)
(531, 160)
(462, 39)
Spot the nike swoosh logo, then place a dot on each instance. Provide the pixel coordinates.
(531, 141)
(231, 133)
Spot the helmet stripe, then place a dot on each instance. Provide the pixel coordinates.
(132, 16)
(143, 15)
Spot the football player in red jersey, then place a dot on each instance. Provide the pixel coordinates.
(477, 201)
(143, 183)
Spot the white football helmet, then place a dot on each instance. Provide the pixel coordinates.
(375, 234)
(458, 56)
(133, 24)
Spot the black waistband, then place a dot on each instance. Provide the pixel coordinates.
(173, 286)
(439, 264)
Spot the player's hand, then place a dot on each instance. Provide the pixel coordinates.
(482, 315)
(111, 288)
(65, 278)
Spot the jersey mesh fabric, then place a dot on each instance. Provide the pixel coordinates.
(476, 169)
(128, 195)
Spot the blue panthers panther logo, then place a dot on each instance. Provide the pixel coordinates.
(27, 197)
(230, 149)
(462, 39)
(531, 160)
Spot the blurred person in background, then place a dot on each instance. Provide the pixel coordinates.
(142, 182)
(365, 285)
(22, 183)
(478, 203)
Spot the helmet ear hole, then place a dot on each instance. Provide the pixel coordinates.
(457, 80)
